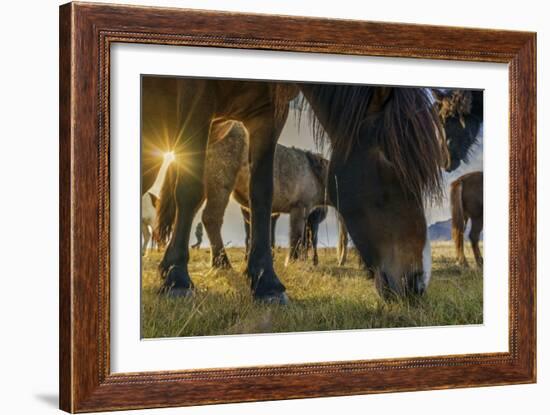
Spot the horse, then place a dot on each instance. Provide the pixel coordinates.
(315, 218)
(299, 186)
(467, 203)
(461, 113)
(246, 220)
(177, 115)
(386, 157)
(309, 238)
(387, 154)
(149, 203)
(148, 219)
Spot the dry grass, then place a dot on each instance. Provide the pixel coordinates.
(326, 297)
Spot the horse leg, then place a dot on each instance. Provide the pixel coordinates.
(477, 226)
(264, 132)
(189, 195)
(212, 218)
(297, 226)
(303, 245)
(458, 237)
(146, 233)
(342, 242)
(246, 220)
(314, 234)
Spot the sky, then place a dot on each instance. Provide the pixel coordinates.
(299, 135)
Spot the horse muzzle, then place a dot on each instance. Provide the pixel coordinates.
(412, 284)
(416, 283)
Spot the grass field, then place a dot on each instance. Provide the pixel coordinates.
(326, 297)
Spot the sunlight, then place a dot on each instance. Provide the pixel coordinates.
(169, 157)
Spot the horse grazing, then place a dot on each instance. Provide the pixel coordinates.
(299, 180)
(461, 112)
(467, 203)
(386, 157)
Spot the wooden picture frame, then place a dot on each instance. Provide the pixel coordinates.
(86, 33)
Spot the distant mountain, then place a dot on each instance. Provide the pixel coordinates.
(440, 231)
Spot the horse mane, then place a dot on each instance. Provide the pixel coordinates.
(457, 103)
(465, 107)
(318, 165)
(407, 130)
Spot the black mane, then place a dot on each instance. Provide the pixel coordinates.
(406, 129)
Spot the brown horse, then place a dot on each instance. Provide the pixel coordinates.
(387, 154)
(467, 203)
(177, 114)
(382, 169)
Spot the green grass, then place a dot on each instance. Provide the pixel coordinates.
(326, 297)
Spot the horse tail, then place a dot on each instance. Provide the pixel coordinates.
(342, 249)
(457, 212)
(166, 208)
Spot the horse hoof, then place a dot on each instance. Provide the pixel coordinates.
(277, 299)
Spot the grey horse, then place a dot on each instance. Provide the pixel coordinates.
(299, 179)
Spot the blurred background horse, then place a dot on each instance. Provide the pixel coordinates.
(467, 204)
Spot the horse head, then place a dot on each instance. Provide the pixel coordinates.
(386, 159)
(461, 113)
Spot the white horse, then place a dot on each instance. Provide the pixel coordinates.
(148, 218)
(149, 205)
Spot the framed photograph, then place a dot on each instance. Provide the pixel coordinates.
(261, 207)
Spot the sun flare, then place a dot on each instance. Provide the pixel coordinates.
(169, 157)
